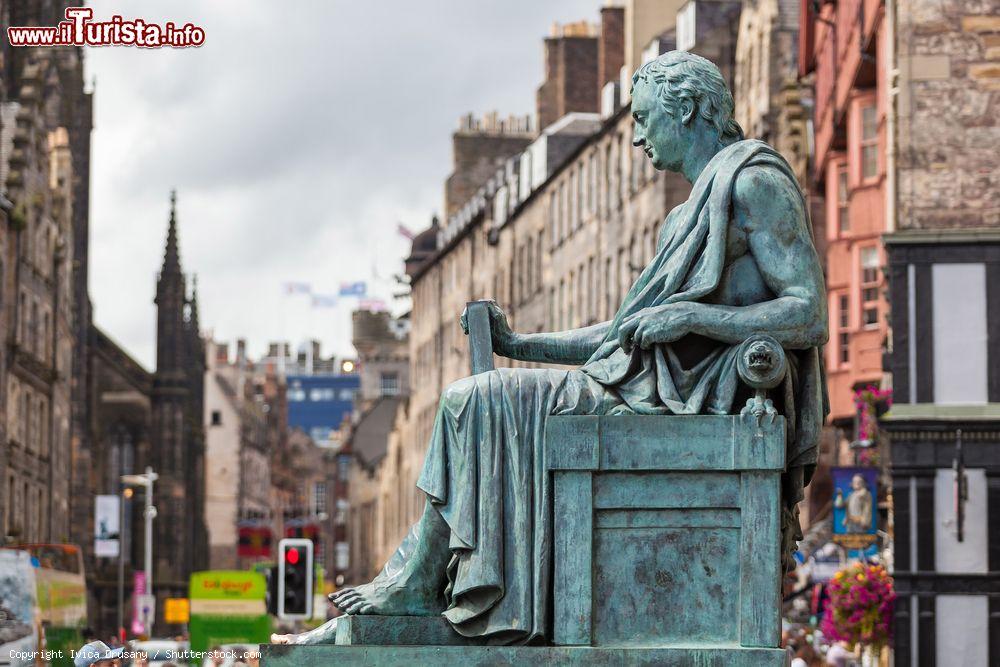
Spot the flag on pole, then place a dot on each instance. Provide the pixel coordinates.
(358, 289)
(372, 305)
(404, 231)
(324, 301)
(297, 288)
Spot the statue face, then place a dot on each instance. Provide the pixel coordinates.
(858, 482)
(658, 131)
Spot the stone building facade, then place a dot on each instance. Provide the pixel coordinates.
(120, 411)
(943, 257)
(368, 463)
(237, 459)
(845, 49)
(44, 165)
(906, 107)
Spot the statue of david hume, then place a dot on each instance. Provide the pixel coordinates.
(734, 260)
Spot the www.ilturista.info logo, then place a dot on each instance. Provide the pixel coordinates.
(80, 30)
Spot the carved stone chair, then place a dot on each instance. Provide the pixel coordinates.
(667, 528)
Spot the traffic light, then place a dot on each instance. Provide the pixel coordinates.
(295, 579)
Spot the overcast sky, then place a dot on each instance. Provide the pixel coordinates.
(297, 137)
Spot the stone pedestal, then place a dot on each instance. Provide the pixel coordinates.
(493, 656)
(666, 552)
(667, 530)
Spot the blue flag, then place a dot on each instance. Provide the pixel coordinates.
(353, 289)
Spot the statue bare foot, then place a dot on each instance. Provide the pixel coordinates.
(391, 597)
(412, 582)
(324, 634)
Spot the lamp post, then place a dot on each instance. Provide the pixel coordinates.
(149, 513)
(125, 495)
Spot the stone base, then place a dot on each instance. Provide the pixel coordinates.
(399, 631)
(476, 656)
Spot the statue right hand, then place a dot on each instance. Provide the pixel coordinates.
(500, 332)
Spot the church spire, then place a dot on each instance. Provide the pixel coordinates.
(171, 256)
(171, 298)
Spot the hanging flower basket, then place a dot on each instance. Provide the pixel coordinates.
(871, 403)
(860, 607)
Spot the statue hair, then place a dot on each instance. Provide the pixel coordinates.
(686, 76)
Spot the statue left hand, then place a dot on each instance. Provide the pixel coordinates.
(659, 324)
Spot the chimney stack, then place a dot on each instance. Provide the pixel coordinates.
(611, 47)
(571, 64)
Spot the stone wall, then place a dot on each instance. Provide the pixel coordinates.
(949, 114)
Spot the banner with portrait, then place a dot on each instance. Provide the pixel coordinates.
(855, 506)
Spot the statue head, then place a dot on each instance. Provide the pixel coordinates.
(679, 99)
(858, 482)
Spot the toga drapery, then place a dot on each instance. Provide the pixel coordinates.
(485, 471)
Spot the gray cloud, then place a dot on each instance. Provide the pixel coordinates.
(297, 137)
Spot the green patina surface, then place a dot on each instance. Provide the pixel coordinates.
(495, 656)
(635, 509)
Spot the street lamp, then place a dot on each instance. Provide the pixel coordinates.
(149, 513)
(125, 495)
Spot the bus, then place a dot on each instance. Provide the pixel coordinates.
(61, 593)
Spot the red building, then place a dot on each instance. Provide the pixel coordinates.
(844, 47)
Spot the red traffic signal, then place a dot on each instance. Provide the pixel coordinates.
(295, 579)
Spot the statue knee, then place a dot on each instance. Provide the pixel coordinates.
(457, 393)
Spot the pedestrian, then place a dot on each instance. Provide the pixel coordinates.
(805, 656)
(98, 654)
(838, 655)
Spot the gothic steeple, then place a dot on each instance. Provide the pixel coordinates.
(171, 256)
(171, 295)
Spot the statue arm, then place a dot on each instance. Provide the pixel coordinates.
(768, 205)
(780, 242)
(573, 347)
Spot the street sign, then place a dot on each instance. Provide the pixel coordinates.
(147, 611)
(176, 610)
(106, 528)
(227, 607)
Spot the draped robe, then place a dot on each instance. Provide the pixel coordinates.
(485, 470)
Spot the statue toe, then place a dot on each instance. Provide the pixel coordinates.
(354, 607)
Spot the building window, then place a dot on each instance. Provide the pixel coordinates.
(389, 384)
(842, 200)
(319, 498)
(869, 142)
(592, 186)
(538, 261)
(554, 218)
(843, 334)
(528, 268)
(216, 418)
(609, 305)
(570, 300)
(869, 286)
(960, 333)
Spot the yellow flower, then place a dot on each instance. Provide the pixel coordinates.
(861, 578)
(838, 576)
